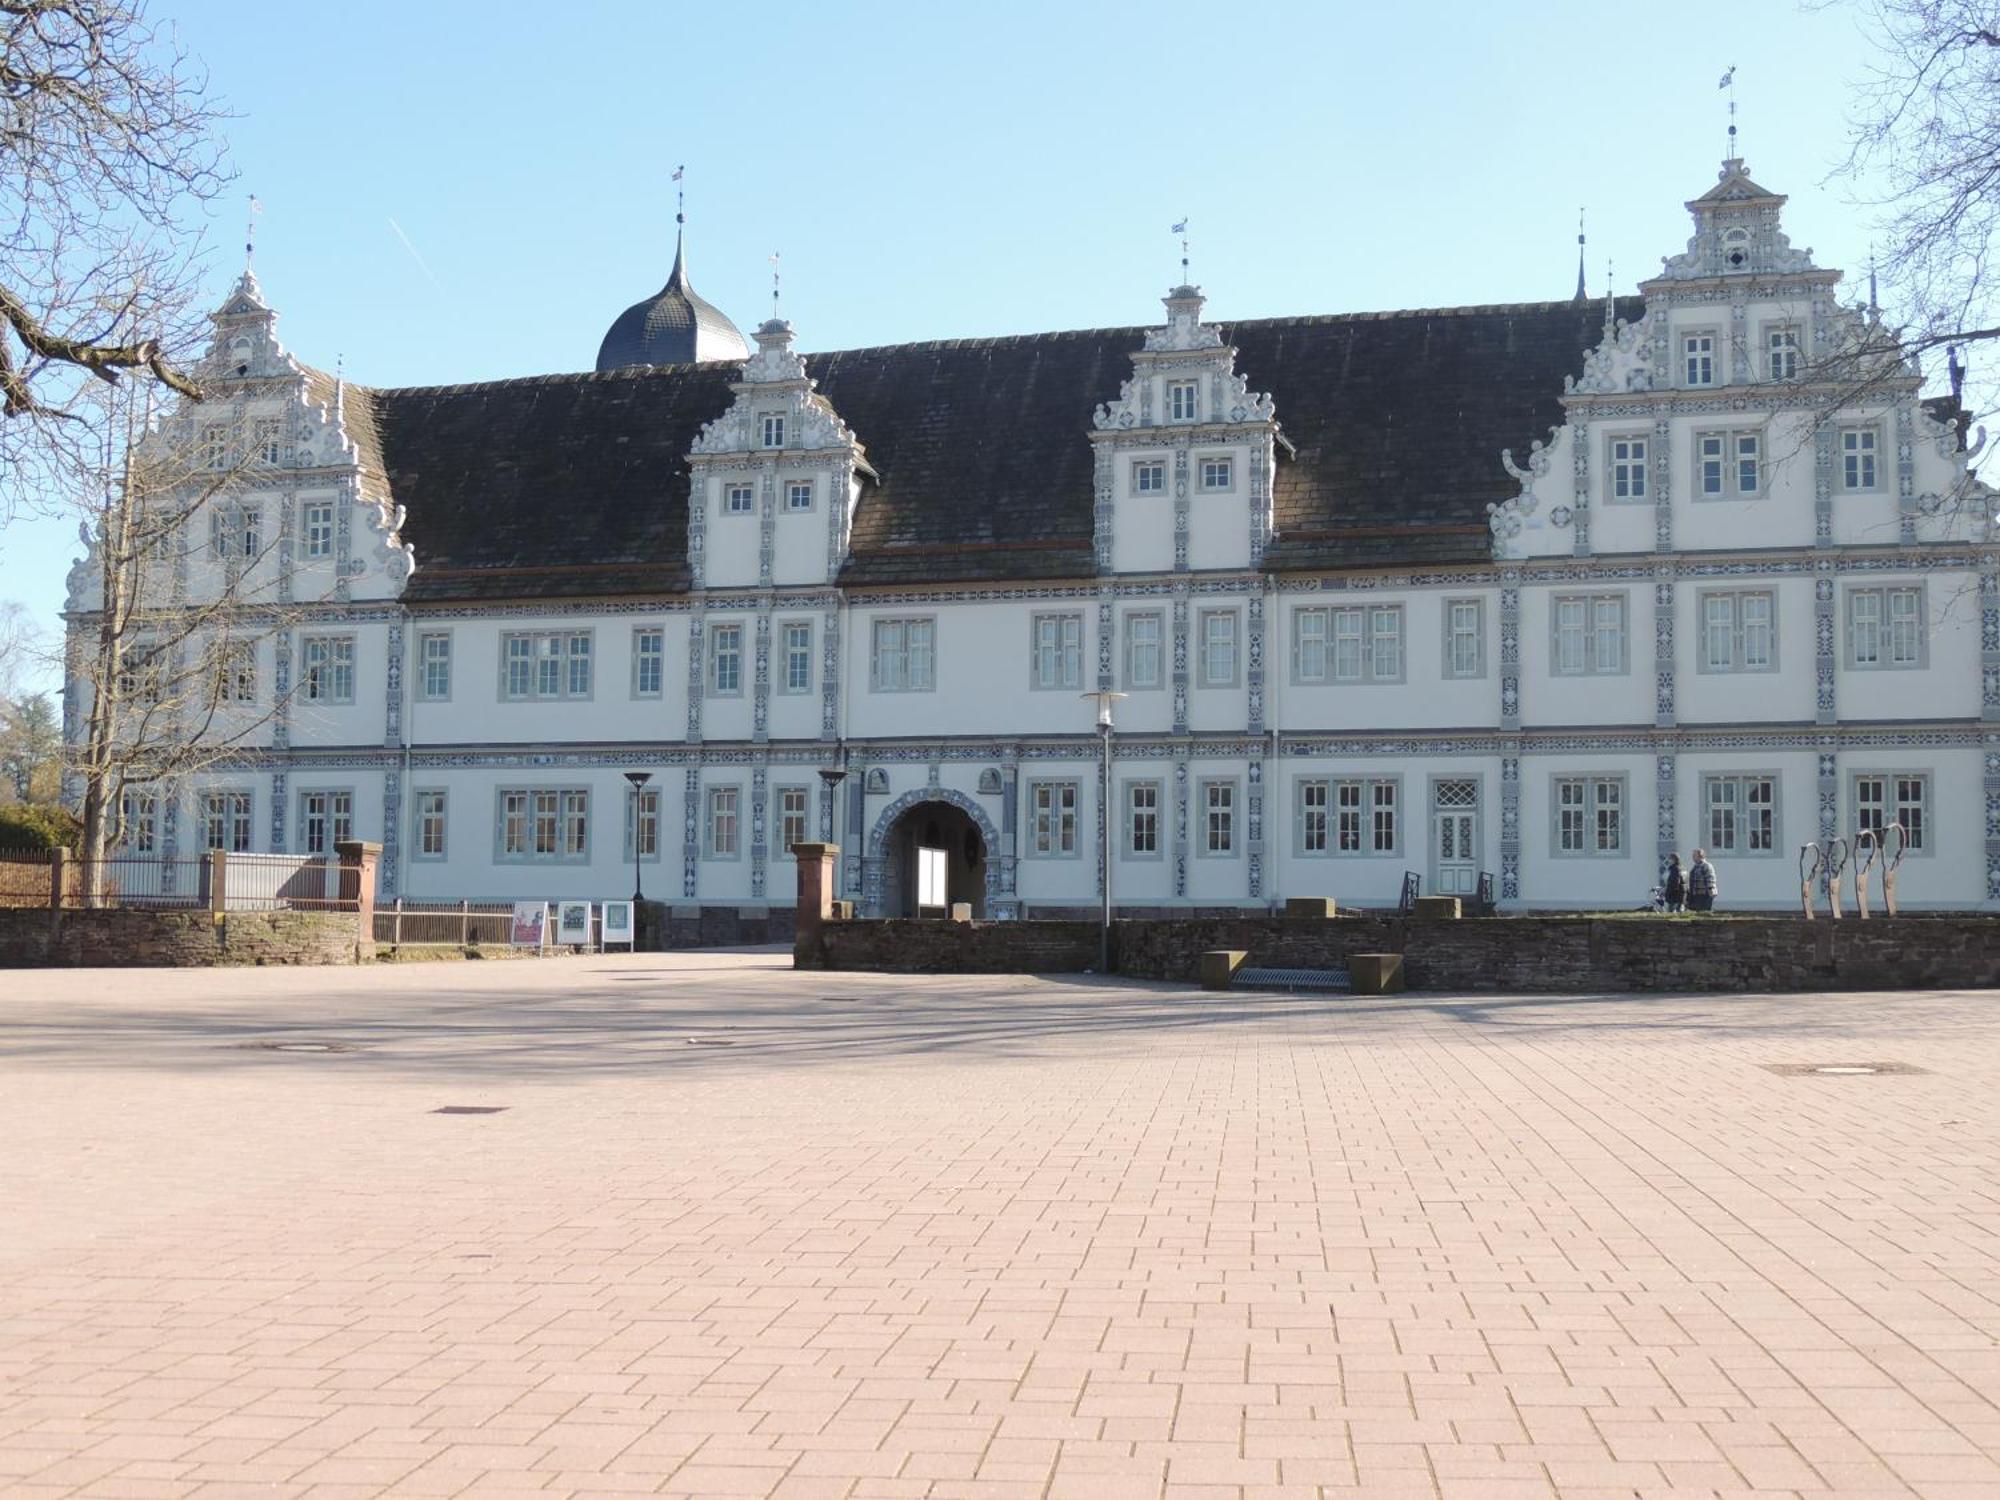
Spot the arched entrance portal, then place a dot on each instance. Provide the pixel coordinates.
(933, 825)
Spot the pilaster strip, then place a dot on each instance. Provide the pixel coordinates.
(1510, 821)
(1009, 852)
(1664, 785)
(697, 641)
(1581, 437)
(1663, 485)
(767, 524)
(1106, 679)
(1181, 507)
(1180, 631)
(1825, 644)
(697, 559)
(760, 682)
(389, 872)
(760, 788)
(829, 674)
(1253, 652)
(1104, 468)
(1254, 817)
(1989, 638)
(1664, 706)
(1510, 649)
(1906, 476)
(691, 833)
(279, 794)
(857, 819)
(1180, 819)
(1992, 788)
(1829, 792)
(1823, 486)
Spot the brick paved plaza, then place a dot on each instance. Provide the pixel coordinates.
(737, 1231)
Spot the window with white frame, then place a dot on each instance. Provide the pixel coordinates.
(326, 818)
(1182, 398)
(264, 440)
(1742, 813)
(903, 655)
(1781, 351)
(1885, 627)
(235, 529)
(1217, 473)
(545, 664)
(1057, 642)
(795, 645)
(434, 665)
(1142, 819)
(1366, 815)
(1149, 477)
(544, 825)
(1218, 817)
(316, 529)
(1361, 643)
(139, 820)
(642, 823)
(225, 821)
(649, 661)
(1698, 358)
(328, 673)
(1145, 649)
(1589, 634)
(430, 825)
(774, 429)
(236, 671)
(738, 499)
(792, 820)
(725, 660)
(1589, 815)
(1218, 648)
(214, 445)
(1884, 797)
(799, 494)
(1627, 463)
(1052, 817)
(1739, 631)
(1314, 797)
(1728, 465)
(724, 822)
(1859, 451)
(1465, 637)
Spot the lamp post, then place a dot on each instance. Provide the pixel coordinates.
(638, 780)
(832, 775)
(1104, 698)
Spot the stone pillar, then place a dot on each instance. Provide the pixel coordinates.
(818, 867)
(360, 862)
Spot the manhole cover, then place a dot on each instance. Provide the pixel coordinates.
(296, 1046)
(1841, 1070)
(471, 1109)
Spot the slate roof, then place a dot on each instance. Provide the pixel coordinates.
(674, 326)
(571, 485)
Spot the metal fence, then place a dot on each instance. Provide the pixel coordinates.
(136, 880)
(459, 924)
(218, 882)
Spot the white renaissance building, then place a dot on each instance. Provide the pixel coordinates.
(1546, 591)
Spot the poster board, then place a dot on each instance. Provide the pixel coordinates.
(573, 923)
(617, 917)
(530, 927)
(931, 886)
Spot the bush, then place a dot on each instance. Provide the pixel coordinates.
(38, 825)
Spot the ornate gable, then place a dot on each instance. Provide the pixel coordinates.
(1736, 232)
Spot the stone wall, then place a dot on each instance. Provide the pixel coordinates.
(905, 945)
(125, 937)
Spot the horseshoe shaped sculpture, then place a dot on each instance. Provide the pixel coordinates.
(1837, 852)
(1891, 862)
(1811, 861)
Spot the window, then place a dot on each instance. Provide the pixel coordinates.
(1145, 634)
(1858, 452)
(1142, 819)
(544, 826)
(774, 429)
(1589, 635)
(1149, 477)
(1313, 829)
(1181, 399)
(793, 827)
(904, 656)
(725, 660)
(1465, 638)
(325, 819)
(329, 669)
(1363, 816)
(236, 672)
(724, 824)
(1742, 814)
(1698, 358)
(1058, 651)
(1217, 473)
(316, 529)
(1052, 817)
(264, 440)
(1628, 468)
(139, 810)
(1218, 648)
(1781, 351)
(1739, 631)
(1218, 817)
(235, 529)
(434, 665)
(649, 656)
(642, 822)
(546, 664)
(1881, 798)
(799, 495)
(1590, 815)
(214, 446)
(430, 825)
(1353, 644)
(1885, 627)
(225, 821)
(796, 639)
(142, 672)
(1728, 464)
(738, 499)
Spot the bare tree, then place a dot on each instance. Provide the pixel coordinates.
(108, 155)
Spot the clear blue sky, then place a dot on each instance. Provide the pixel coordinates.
(946, 170)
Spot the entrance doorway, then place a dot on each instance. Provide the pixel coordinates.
(1455, 837)
(934, 825)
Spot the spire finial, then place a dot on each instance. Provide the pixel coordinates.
(1181, 229)
(250, 235)
(1581, 294)
(1610, 298)
(774, 286)
(1728, 84)
(680, 196)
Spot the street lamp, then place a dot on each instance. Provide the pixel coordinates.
(832, 775)
(1104, 699)
(638, 780)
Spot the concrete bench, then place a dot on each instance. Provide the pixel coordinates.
(1375, 973)
(1219, 966)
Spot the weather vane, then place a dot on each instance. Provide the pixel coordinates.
(680, 196)
(1181, 229)
(774, 286)
(1728, 83)
(250, 233)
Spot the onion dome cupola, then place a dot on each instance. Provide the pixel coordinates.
(675, 326)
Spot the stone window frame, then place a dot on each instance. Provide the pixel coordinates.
(139, 808)
(1204, 838)
(1876, 453)
(1717, 347)
(1055, 814)
(782, 676)
(771, 429)
(731, 490)
(1207, 483)
(1202, 676)
(565, 659)
(235, 667)
(1592, 780)
(316, 543)
(655, 637)
(1767, 332)
(1371, 628)
(267, 440)
(1160, 649)
(1731, 461)
(1368, 805)
(1592, 666)
(334, 834)
(418, 816)
(1637, 467)
(1850, 658)
(1156, 467)
(1734, 666)
(242, 816)
(1128, 817)
(780, 847)
(1175, 388)
(636, 799)
(792, 489)
(564, 810)
(712, 796)
(712, 666)
(1927, 803)
(1447, 631)
(340, 690)
(1742, 781)
(1068, 653)
(877, 683)
(424, 662)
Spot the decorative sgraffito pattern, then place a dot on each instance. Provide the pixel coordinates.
(1992, 788)
(876, 863)
(1254, 816)
(1180, 634)
(1104, 514)
(1180, 820)
(697, 532)
(1580, 441)
(1663, 654)
(1906, 477)
(829, 673)
(1824, 644)
(1664, 805)
(767, 525)
(759, 848)
(1510, 824)
(1253, 676)
(1829, 796)
(389, 876)
(1989, 638)
(1105, 679)
(1510, 651)
(1663, 482)
(281, 690)
(278, 796)
(392, 707)
(1182, 513)
(1823, 486)
(691, 832)
(697, 641)
(760, 686)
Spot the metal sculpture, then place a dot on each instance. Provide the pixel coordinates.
(1884, 846)
(1892, 860)
(1810, 861)
(1823, 863)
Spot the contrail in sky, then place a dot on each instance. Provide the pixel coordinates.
(413, 253)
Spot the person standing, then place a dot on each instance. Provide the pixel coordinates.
(1701, 883)
(1676, 890)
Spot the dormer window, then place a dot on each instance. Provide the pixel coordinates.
(1698, 358)
(738, 500)
(799, 495)
(1782, 346)
(1149, 477)
(1181, 400)
(266, 440)
(774, 429)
